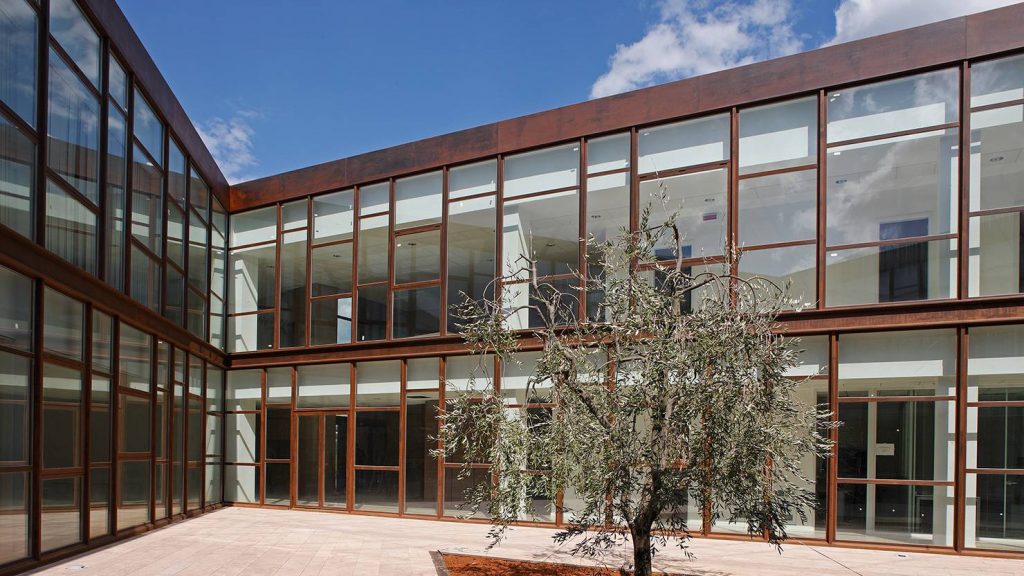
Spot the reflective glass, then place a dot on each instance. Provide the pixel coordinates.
(70, 228)
(323, 386)
(687, 143)
(418, 200)
(793, 268)
(471, 246)
(74, 33)
(699, 202)
(418, 257)
(63, 322)
(544, 229)
(995, 81)
(778, 208)
(333, 216)
(17, 178)
(331, 269)
(331, 321)
(417, 312)
(778, 135)
(18, 43)
(473, 179)
(254, 226)
(73, 123)
(148, 129)
(541, 170)
(372, 302)
(293, 298)
(16, 298)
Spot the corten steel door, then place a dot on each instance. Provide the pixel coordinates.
(321, 460)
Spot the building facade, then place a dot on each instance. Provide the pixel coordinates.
(170, 344)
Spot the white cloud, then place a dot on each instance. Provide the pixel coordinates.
(694, 37)
(862, 18)
(231, 143)
(697, 37)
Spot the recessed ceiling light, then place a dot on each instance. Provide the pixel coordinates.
(997, 159)
(595, 216)
(841, 181)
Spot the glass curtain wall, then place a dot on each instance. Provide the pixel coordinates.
(331, 268)
(17, 344)
(252, 270)
(373, 266)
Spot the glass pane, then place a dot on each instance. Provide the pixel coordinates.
(17, 173)
(241, 484)
(16, 297)
(244, 389)
(15, 413)
(682, 144)
(70, 228)
(893, 514)
(416, 312)
(422, 374)
(905, 103)
(778, 208)
(779, 135)
(134, 424)
(277, 491)
(323, 386)
(146, 208)
(62, 417)
(252, 278)
(216, 322)
(516, 387)
(421, 409)
(995, 504)
(118, 88)
(544, 229)
(376, 490)
(177, 179)
(468, 374)
(996, 160)
(418, 200)
(332, 269)
(18, 64)
(251, 332)
(133, 483)
(174, 297)
(117, 175)
(374, 199)
(214, 489)
(520, 303)
(331, 321)
(455, 489)
(73, 124)
(295, 214)
(473, 179)
(279, 433)
(377, 438)
(145, 285)
(214, 388)
(995, 81)
(243, 438)
(378, 384)
(149, 130)
(99, 502)
(292, 321)
(373, 249)
(175, 235)
(996, 260)
(195, 487)
(254, 226)
(335, 459)
(813, 359)
(135, 359)
(608, 153)
(198, 242)
(279, 385)
(14, 501)
(699, 202)
(196, 314)
(607, 207)
(793, 268)
(541, 170)
(418, 257)
(76, 36)
(61, 522)
(199, 195)
(891, 273)
(471, 246)
(217, 264)
(373, 312)
(63, 325)
(995, 373)
(895, 188)
(307, 489)
(332, 216)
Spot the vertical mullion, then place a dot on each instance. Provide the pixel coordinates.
(321, 428)
(350, 457)
(443, 316)
(960, 487)
(389, 308)
(102, 232)
(499, 240)
(42, 109)
(86, 402)
(402, 424)
(581, 242)
(963, 250)
(822, 200)
(293, 433)
(261, 466)
(307, 312)
(278, 240)
(833, 436)
(202, 434)
(440, 441)
(634, 180)
(37, 421)
(354, 307)
(129, 184)
(115, 416)
(732, 203)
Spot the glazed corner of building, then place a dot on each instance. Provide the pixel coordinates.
(115, 300)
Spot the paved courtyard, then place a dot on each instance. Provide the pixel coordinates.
(254, 542)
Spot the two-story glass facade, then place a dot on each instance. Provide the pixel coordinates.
(169, 343)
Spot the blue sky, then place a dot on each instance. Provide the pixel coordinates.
(278, 85)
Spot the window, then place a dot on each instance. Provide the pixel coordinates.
(418, 200)
(17, 178)
(252, 264)
(73, 122)
(607, 205)
(63, 325)
(323, 386)
(117, 174)
(471, 247)
(147, 211)
(699, 202)
(682, 144)
(71, 228)
(293, 297)
(331, 321)
(332, 216)
(544, 230)
(778, 136)
(543, 170)
(77, 37)
(149, 130)
(18, 31)
(473, 179)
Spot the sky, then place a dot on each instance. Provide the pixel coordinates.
(278, 85)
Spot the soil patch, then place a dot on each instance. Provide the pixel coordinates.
(466, 565)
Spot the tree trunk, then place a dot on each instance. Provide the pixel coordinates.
(642, 551)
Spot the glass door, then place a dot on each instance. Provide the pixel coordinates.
(322, 460)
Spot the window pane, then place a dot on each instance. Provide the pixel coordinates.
(198, 242)
(996, 162)
(421, 411)
(135, 359)
(244, 390)
(418, 257)
(607, 209)
(895, 188)
(909, 514)
(377, 438)
(544, 229)
(133, 483)
(778, 135)
(279, 425)
(18, 32)
(251, 332)
(994, 505)
(473, 179)
(196, 321)
(61, 523)
(331, 321)
(455, 489)
(176, 177)
(217, 263)
(117, 174)
(62, 417)
(684, 144)
(63, 325)
(422, 374)
(243, 438)
(199, 195)
(374, 199)
(175, 235)
(15, 411)
(332, 269)
(418, 200)
(997, 81)
(517, 297)
(17, 173)
(905, 103)
(996, 261)
(608, 153)
(252, 278)
(891, 273)
(148, 128)
(145, 287)
(373, 312)
(76, 36)
(99, 502)
(373, 249)
(279, 385)
(73, 129)
(378, 384)
(16, 296)
(102, 341)
(241, 484)
(699, 202)
(295, 214)
(14, 500)
(376, 490)
(417, 312)
(332, 216)
(323, 386)
(276, 491)
(118, 88)
(471, 239)
(254, 226)
(174, 297)
(793, 268)
(995, 371)
(542, 170)
(468, 374)
(70, 228)
(146, 207)
(292, 322)
(216, 322)
(778, 208)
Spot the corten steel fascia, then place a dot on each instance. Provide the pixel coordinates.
(943, 43)
(108, 17)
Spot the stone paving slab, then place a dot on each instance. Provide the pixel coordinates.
(260, 542)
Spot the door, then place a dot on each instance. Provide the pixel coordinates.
(322, 460)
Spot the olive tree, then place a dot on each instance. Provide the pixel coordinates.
(671, 390)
